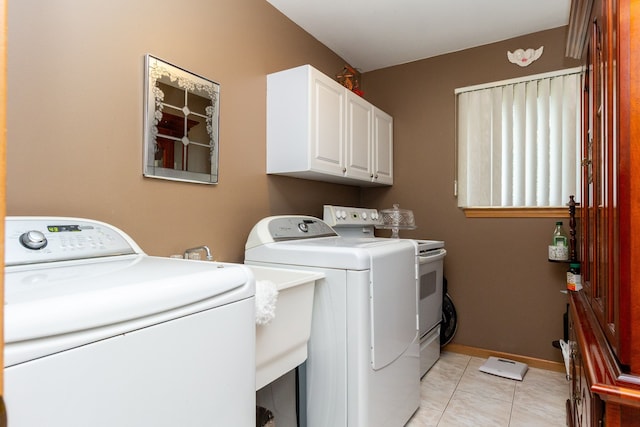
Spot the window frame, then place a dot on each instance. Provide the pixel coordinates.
(519, 211)
(505, 212)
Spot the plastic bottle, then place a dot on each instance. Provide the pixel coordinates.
(574, 279)
(559, 249)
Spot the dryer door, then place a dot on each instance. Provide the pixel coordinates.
(393, 291)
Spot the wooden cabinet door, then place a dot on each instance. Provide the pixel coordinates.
(629, 177)
(3, 195)
(584, 408)
(601, 156)
(607, 314)
(578, 414)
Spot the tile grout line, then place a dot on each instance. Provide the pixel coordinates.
(454, 391)
(513, 401)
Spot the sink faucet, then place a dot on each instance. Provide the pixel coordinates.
(199, 248)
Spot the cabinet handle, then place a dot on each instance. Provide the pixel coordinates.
(344, 170)
(576, 399)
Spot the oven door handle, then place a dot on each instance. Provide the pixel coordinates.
(432, 256)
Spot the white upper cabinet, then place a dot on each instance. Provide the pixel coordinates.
(318, 129)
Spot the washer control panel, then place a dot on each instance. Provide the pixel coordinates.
(292, 227)
(31, 240)
(287, 227)
(337, 216)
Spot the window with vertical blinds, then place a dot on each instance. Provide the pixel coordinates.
(517, 142)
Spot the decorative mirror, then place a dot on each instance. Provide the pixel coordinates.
(181, 124)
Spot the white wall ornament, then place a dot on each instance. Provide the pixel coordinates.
(524, 57)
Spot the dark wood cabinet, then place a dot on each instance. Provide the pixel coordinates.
(601, 392)
(601, 153)
(584, 407)
(605, 315)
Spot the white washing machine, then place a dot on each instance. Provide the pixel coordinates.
(364, 358)
(361, 222)
(99, 334)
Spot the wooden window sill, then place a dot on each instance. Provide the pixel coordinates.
(480, 212)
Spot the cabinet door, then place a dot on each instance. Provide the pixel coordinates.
(382, 147)
(601, 152)
(581, 394)
(359, 137)
(584, 408)
(327, 127)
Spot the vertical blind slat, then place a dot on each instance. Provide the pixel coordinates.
(531, 142)
(507, 147)
(542, 154)
(555, 143)
(496, 147)
(463, 128)
(519, 140)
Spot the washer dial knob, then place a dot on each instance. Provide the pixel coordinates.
(33, 239)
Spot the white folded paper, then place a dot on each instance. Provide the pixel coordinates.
(566, 355)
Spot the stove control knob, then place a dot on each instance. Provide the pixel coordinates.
(363, 215)
(33, 240)
(303, 227)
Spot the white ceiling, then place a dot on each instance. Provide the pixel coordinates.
(373, 34)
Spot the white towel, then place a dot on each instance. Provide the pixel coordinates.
(266, 299)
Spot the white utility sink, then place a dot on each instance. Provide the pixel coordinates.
(281, 345)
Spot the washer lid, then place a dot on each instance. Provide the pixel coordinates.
(66, 297)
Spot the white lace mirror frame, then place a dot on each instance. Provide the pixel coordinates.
(181, 124)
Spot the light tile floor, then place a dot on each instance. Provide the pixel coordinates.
(454, 393)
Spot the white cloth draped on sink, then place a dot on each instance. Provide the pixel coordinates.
(266, 299)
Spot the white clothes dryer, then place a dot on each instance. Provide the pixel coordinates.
(364, 358)
(100, 334)
(362, 222)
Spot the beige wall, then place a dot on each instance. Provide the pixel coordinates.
(75, 116)
(74, 148)
(506, 292)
